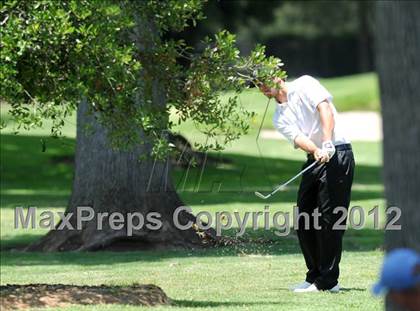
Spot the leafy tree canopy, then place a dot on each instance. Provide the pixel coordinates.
(116, 55)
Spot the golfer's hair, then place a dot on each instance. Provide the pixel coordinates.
(260, 83)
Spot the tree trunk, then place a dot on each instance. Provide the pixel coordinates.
(118, 181)
(398, 65)
(363, 9)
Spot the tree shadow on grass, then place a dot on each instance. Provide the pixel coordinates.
(214, 304)
(238, 180)
(18, 242)
(27, 167)
(289, 196)
(342, 289)
(353, 289)
(254, 243)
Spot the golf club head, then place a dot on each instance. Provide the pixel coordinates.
(260, 195)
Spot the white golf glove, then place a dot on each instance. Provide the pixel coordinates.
(328, 148)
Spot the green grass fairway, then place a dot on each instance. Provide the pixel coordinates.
(253, 275)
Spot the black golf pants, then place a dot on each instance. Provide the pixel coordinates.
(326, 187)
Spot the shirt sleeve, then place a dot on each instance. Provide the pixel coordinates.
(286, 126)
(314, 92)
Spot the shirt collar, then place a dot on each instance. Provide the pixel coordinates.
(282, 105)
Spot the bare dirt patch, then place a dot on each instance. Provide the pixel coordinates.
(14, 297)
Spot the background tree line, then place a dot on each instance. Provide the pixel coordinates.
(322, 38)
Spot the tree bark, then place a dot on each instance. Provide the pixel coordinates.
(117, 181)
(364, 35)
(398, 65)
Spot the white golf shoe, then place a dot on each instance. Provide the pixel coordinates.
(312, 288)
(301, 286)
(335, 289)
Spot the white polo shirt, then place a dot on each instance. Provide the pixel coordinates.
(300, 116)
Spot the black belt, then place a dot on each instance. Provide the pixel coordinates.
(341, 147)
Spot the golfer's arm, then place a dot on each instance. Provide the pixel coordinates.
(305, 144)
(327, 120)
(327, 124)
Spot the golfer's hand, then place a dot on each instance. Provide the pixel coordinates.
(329, 148)
(326, 153)
(321, 156)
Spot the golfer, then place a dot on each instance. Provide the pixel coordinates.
(306, 116)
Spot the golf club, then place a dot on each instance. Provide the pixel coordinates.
(278, 188)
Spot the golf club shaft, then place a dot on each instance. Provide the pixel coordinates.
(290, 180)
(297, 175)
